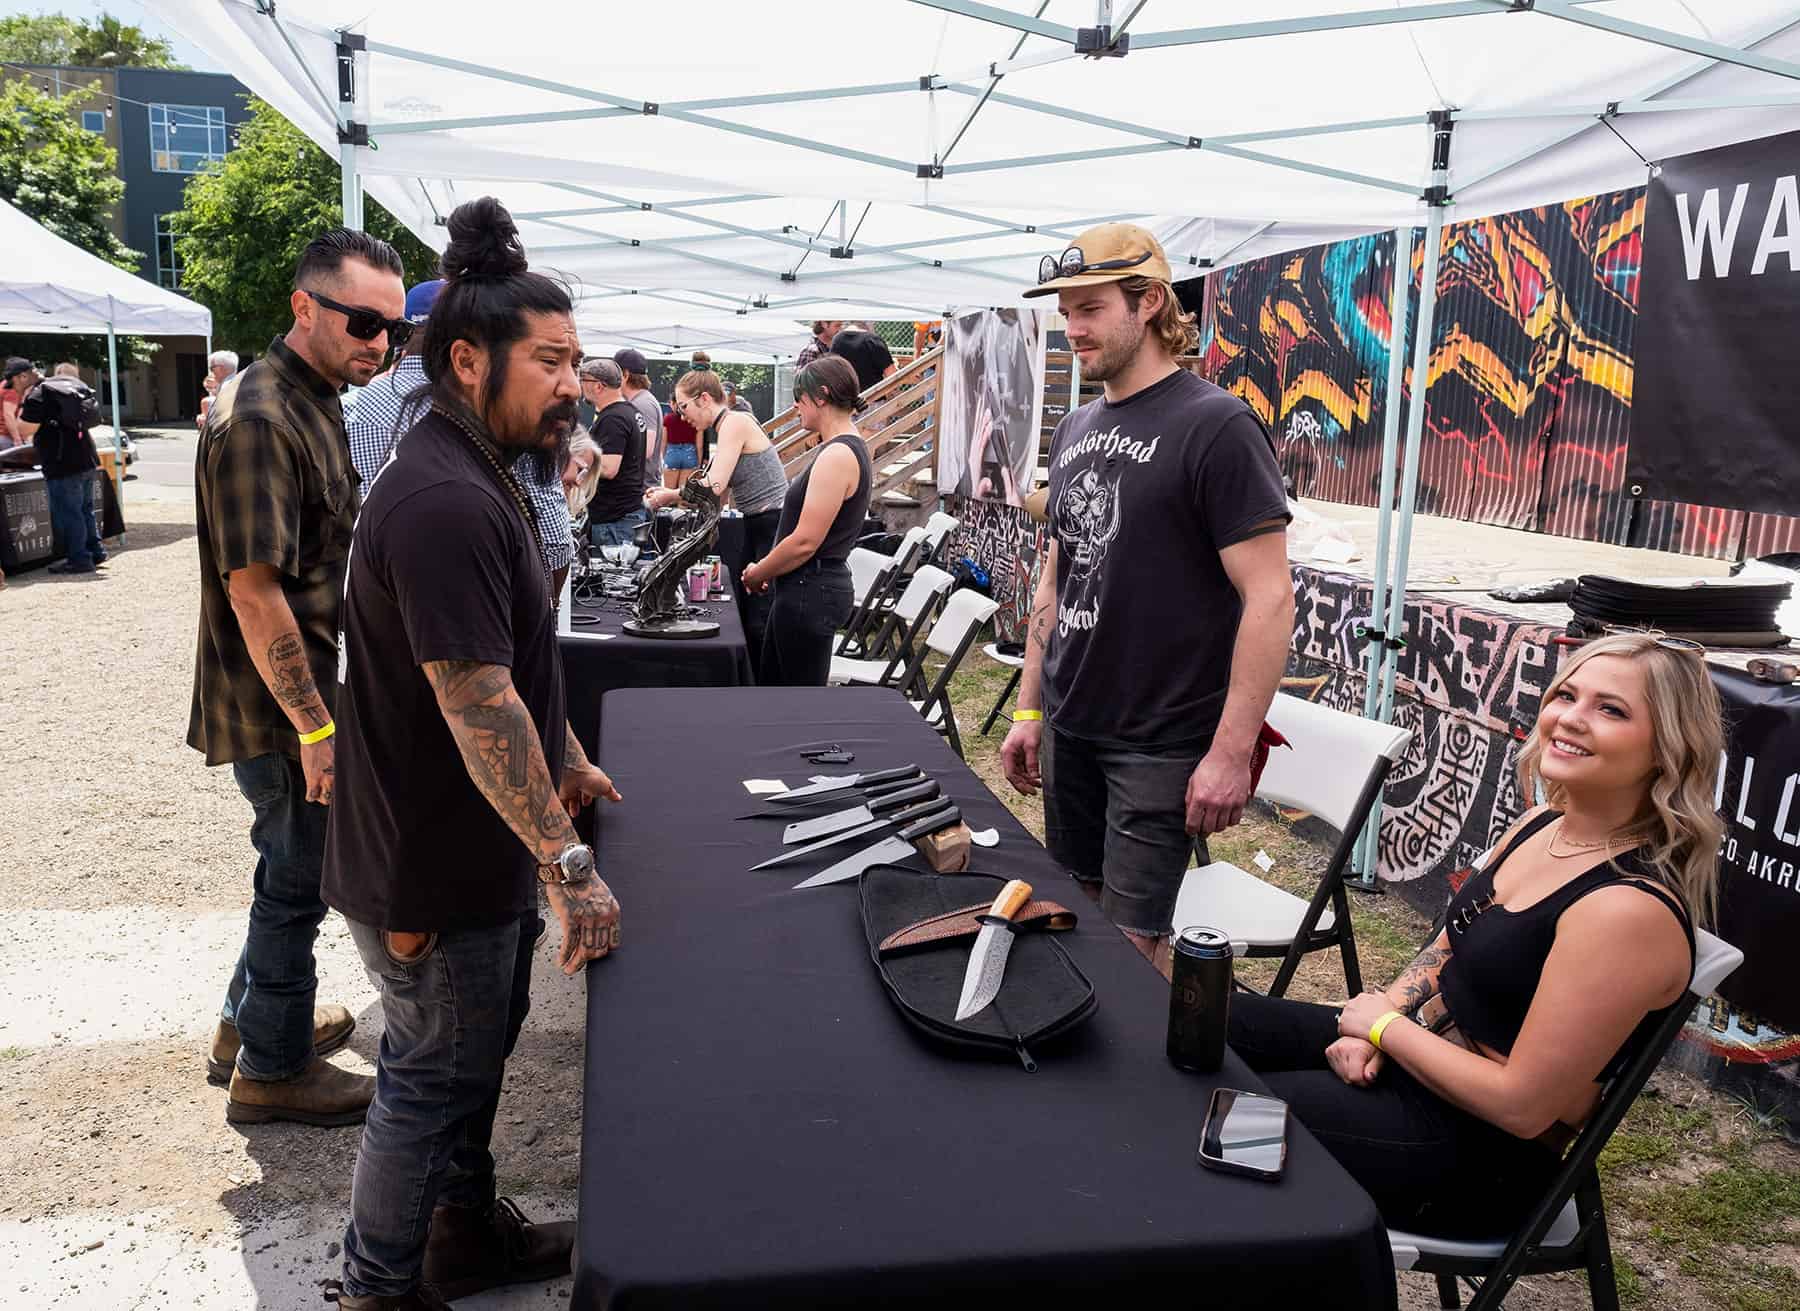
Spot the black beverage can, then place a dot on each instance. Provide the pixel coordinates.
(1199, 999)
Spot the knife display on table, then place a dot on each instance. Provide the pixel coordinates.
(888, 851)
(838, 797)
(804, 795)
(881, 803)
(987, 958)
(903, 818)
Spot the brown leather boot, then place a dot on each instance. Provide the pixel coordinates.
(322, 1094)
(422, 1298)
(468, 1250)
(332, 1027)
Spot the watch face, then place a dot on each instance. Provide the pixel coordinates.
(578, 863)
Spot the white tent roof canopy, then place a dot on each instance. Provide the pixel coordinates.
(970, 138)
(49, 285)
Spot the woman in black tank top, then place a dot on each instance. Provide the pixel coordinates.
(821, 519)
(1451, 1095)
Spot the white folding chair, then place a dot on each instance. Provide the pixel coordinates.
(937, 531)
(1566, 1230)
(909, 616)
(1334, 768)
(951, 637)
(875, 602)
(1016, 663)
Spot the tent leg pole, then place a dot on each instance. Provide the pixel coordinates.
(352, 186)
(118, 424)
(1399, 300)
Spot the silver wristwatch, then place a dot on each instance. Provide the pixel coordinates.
(575, 865)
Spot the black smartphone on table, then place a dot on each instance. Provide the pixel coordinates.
(1245, 1133)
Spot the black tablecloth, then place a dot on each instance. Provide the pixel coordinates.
(762, 1129)
(26, 534)
(592, 667)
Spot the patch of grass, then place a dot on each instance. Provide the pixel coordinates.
(1625, 1275)
(1656, 1132)
(1736, 1202)
(12, 1053)
(1759, 1286)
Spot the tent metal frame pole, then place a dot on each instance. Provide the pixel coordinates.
(1374, 633)
(1663, 37)
(118, 420)
(348, 47)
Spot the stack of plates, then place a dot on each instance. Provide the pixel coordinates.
(1715, 611)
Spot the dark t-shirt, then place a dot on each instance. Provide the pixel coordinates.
(1144, 494)
(867, 353)
(442, 567)
(65, 449)
(619, 430)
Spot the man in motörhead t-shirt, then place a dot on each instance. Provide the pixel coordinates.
(1164, 610)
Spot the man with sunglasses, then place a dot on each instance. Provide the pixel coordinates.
(1166, 574)
(276, 497)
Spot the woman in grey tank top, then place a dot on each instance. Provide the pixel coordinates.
(745, 467)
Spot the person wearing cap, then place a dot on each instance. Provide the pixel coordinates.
(57, 415)
(637, 390)
(1166, 573)
(21, 377)
(621, 436)
(393, 402)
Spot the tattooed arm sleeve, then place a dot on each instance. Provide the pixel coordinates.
(273, 639)
(1418, 982)
(502, 751)
(1037, 632)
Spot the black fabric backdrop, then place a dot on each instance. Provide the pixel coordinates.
(1759, 870)
(1712, 416)
(762, 1128)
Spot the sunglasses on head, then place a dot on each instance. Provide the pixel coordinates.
(365, 324)
(1663, 640)
(1072, 262)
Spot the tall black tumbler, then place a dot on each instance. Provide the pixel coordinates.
(1199, 999)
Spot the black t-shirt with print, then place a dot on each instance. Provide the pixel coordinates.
(619, 430)
(1144, 494)
(442, 567)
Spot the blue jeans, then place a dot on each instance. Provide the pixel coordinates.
(72, 515)
(453, 1013)
(270, 997)
(681, 455)
(617, 532)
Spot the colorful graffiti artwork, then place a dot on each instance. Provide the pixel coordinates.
(1007, 542)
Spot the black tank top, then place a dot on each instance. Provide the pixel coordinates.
(846, 526)
(1497, 956)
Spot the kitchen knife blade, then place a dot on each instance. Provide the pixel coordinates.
(906, 817)
(888, 851)
(805, 830)
(799, 795)
(987, 958)
(853, 796)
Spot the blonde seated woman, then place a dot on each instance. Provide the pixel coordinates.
(745, 469)
(1560, 957)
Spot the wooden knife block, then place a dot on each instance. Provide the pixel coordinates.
(947, 851)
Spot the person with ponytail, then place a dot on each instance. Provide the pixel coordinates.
(821, 517)
(459, 777)
(1451, 1096)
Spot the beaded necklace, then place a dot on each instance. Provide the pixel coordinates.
(511, 483)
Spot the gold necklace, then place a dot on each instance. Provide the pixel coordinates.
(511, 483)
(1576, 848)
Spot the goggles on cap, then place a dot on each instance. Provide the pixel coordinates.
(1072, 263)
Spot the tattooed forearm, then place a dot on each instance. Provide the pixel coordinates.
(502, 752)
(291, 680)
(573, 756)
(1418, 982)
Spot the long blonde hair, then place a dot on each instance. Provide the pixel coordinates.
(1680, 831)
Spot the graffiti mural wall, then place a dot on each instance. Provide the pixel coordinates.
(1007, 542)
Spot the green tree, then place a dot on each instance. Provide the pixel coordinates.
(58, 39)
(243, 225)
(62, 176)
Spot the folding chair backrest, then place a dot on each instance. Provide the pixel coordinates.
(865, 568)
(1327, 768)
(927, 584)
(937, 528)
(965, 612)
(907, 553)
(1714, 960)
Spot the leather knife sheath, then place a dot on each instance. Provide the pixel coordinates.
(966, 923)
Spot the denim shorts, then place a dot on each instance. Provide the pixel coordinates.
(1118, 818)
(681, 456)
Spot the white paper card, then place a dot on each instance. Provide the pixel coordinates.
(1262, 861)
(762, 787)
(986, 837)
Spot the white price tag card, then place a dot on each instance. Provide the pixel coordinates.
(763, 787)
(1262, 861)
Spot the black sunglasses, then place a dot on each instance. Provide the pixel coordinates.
(366, 324)
(1071, 263)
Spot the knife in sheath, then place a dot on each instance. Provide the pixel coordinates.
(888, 851)
(884, 803)
(801, 796)
(903, 819)
(849, 797)
(987, 958)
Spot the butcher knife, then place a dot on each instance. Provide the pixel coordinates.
(881, 803)
(854, 796)
(987, 959)
(902, 819)
(803, 796)
(888, 851)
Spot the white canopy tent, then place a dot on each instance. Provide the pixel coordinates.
(50, 285)
(926, 153)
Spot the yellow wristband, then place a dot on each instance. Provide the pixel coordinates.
(1027, 716)
(1380, 1028)
(319, 734)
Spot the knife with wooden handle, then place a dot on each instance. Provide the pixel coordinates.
(987, 958)
(888, 851)
(904, 818)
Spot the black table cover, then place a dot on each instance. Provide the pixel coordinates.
(26, 534)
(762, 1129)
(593, 667)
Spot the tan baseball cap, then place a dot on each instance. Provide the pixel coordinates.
(1132, 250)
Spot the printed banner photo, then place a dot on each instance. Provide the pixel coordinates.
(993, 396)
(1713, 419)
